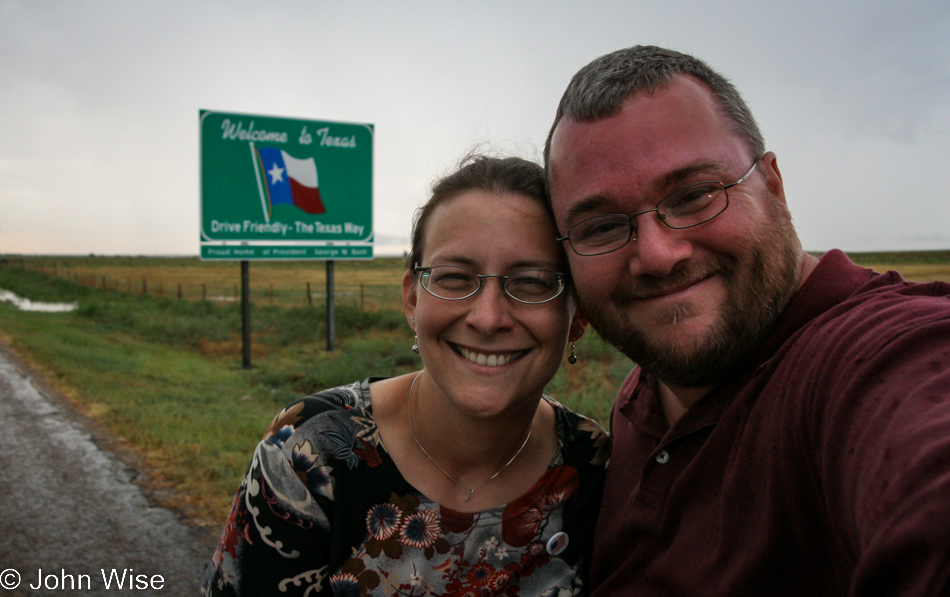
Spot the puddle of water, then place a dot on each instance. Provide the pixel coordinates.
(27, 305)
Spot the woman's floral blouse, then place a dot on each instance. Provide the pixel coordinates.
(323, 510)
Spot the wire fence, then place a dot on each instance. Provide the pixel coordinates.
(285, 291)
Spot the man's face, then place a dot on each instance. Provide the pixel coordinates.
(688, 304)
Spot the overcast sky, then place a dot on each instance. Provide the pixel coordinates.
(99, 102)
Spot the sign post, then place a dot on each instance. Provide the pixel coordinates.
(245, 315)
(276, 188)
(331, 314)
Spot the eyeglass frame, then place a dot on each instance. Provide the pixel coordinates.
(502, 280)
(660, 216)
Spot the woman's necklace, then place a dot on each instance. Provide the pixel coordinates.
(468, 490)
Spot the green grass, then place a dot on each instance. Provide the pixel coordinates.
(165, 374)
(192, 418)
(367, 285)
(902, 258)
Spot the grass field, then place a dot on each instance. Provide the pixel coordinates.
(368, 284)
(160, 368)
(919, 266)
(165, 374)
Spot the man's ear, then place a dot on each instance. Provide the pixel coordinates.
(773, 177)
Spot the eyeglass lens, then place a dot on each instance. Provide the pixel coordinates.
(687, 207)
(455, 282)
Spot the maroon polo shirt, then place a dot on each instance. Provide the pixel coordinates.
(822, 467)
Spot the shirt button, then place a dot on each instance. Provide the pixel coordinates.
(662, 457)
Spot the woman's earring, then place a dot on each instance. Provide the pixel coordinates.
(572, 358)
(415, 339)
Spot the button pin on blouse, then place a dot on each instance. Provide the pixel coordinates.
(662, 457)
(557, 543)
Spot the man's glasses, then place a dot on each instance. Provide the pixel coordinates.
(454, 283)
(690, 206)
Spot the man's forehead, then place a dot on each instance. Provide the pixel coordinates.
(683, 92)
(578, 140)
(676, 123)
(583, 151)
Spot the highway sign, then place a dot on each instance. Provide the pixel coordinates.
(281, 188)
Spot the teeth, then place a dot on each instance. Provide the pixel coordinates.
(490, 360)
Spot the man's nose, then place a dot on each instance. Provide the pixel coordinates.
(657, 248)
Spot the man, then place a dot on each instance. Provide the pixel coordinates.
(787, 428)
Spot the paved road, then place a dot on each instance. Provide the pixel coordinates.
(72, 510)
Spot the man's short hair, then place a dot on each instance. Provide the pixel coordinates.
(600, 89)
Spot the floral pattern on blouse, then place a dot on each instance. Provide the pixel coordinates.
(323, 510)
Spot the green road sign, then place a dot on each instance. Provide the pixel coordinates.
(279, 188)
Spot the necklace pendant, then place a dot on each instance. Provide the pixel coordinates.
(468, 494)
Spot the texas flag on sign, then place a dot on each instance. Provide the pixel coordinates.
(290, 180)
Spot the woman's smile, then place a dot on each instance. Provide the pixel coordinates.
(489, 359)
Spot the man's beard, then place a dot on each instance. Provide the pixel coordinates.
(759, 284)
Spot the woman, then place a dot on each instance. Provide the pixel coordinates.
(461, 478)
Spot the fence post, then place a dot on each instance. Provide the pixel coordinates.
(309, 295)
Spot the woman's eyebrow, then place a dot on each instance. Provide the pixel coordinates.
(514, 266)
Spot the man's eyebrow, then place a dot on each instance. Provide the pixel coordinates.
(684, 173)
(676, 177)
(584, 207)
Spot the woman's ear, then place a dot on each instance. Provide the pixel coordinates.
(409, 297)
(579, 325)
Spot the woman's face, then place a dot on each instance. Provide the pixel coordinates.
(519, 345)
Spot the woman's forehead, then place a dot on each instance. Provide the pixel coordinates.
(478, 224)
